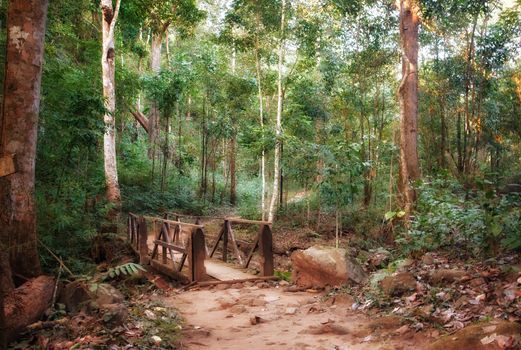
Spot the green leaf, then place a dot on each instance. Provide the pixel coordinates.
(390, 215)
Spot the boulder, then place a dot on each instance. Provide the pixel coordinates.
(104, 293)
(78, 294)
(398, 284)
(75, 295)
(493, 335)
(322, 266)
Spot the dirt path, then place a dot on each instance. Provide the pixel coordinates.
(221, 319)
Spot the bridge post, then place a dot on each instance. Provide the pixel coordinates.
(226, 225)
(196, 255)
(142, 241)
(266, 251)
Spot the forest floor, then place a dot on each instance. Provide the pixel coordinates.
(408, 303)
(264, 316)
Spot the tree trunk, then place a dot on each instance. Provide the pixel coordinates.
(18, 133)
(110, 16)
(26, 304)
(278, 126)
(153, 121)
(261, 118)
(233, 175)
(408, 95)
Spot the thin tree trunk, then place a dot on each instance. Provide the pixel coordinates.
(153, 120)
(278, 125)
(408, 95)
(18, 135)
(110, 17)
(233, 146)
(261, 119)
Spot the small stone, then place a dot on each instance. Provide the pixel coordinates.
(258, 302)
(446, 276)
(428, 259)
(156, 340)
(150, 315)
(283, 283)
(291, 311)
(263, 285)
(222, 286)
(238, 309)
(114, 315)
(398, 284)
(476, 282)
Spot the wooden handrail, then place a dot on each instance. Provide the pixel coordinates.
(197, 216)
(245, 221)
(170, 246)
(173, 222)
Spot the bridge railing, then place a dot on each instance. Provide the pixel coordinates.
(167, 244)
(263, 244)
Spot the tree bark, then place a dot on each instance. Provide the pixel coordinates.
(155, 66)
(18, 133)
(261, 117)
(278, 126)
(408, 96)
(26, 304)
(110, 16)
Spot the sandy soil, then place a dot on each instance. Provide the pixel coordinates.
(222, 319)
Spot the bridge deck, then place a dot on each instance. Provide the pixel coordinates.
(224, 272)
(217, 269)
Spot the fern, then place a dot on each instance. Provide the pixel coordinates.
(127, 269)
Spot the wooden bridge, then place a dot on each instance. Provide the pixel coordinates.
(179, 249)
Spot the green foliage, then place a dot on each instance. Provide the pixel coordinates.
(127, 269)
(447, 215)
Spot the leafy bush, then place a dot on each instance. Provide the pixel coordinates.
(446, 214)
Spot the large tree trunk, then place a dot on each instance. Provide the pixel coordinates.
(110, 17)
(278, 125)
(408, 95)
(18, 134)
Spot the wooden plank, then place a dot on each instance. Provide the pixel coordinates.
(244, 221)
(7, 166)
(173, 222)
(225, 241)
(197, 255)
(234, 243)
(142, 240)
(169, 271)
(224, 272)
(219, 236)
(170, 246)
(266, 251)
(255, 245)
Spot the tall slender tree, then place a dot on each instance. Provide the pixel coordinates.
(278, 124)
(108, 55)
(408, 97)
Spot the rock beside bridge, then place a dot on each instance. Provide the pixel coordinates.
(323, 266)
